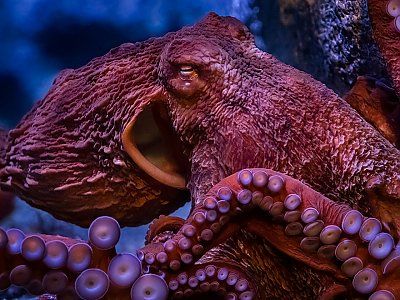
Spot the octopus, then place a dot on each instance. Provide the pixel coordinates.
(295, 191)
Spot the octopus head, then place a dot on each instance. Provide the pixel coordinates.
(113, 137)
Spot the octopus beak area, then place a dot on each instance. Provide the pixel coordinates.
(151, 142)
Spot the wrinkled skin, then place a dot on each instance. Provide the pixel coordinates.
(230, 106)
(387, 38)
(378, 104)
(67, 151)
(6, 198)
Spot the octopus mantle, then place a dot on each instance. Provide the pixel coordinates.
(312, 208)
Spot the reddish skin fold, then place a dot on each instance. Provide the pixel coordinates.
(163, 224)
(6, 198)
(379, 105)
(211, 277)
(387, 38)
(228, 106)
(273, 231)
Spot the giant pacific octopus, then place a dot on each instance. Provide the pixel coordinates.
(294, 194)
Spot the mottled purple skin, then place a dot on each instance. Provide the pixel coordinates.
(240, 107)
(66, 154)
(6, 198)
(387, 38)
(68, 151)
(378, 104)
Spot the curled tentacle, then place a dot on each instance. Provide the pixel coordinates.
(39, 263)
(296, 220)
(50, 264)
(74, 269)
(212, 279)
(302, 223)
(163, 224)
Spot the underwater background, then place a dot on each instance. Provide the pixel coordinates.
(38, 38)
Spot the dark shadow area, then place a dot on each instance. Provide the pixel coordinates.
(15, 101)
(72, 43)
(290, 36)
(313, 37)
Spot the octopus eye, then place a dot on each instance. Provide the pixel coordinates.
(187, 72)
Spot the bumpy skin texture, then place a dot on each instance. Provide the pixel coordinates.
(280, 266)
(378, 104)
(231, 106)
(67, 151)
(282, 119)
(387, 38)
(3, 142)
(325, 274)
(6, 198)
